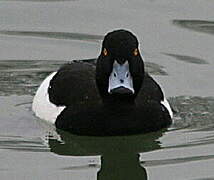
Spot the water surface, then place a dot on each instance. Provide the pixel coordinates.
(176, 40)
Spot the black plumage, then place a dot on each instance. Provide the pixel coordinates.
(91, 110)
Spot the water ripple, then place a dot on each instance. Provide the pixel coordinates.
(55, 35)
(196, 25)
(38, 0)
(187, 59)
(18, 143)
(193, 112)
(23, 77)
(177, 160)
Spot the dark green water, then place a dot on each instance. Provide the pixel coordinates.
(176, 39)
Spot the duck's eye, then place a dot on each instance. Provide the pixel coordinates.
(115, 75)
(135, 52)
(105, 52)
(127, 74)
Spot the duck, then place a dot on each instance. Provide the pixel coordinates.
(112, 95)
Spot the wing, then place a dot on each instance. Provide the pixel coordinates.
(150, 91)
(74, 84)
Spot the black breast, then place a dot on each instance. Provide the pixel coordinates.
(120, 120)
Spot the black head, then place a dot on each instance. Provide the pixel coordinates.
(120, 68)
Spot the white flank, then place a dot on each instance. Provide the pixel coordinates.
(41, 106)
(167, 106)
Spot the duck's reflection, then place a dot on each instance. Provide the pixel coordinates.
(123, 166)
(120, 154)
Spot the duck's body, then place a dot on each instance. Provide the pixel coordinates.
(115, 96)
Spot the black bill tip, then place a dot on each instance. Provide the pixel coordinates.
(121, 90)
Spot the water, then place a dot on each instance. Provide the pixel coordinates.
(176, 38)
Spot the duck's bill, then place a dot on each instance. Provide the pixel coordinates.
(121, 90)
(120, 79)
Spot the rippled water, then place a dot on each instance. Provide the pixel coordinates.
(176, 37)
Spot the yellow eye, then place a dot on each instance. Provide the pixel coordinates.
(105, 52)
(135, 52)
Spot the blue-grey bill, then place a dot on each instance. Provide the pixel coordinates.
(120, 77)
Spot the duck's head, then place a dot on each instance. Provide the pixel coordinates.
(120, 68)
